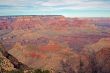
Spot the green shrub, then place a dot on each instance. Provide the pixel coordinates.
(16, 71)
(41, 71)
(46, 71)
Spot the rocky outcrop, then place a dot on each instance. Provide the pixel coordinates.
(95, 47)
(98, 56)
(103, 60)
(29, 22)
(8, 58)
(5, 63)
(52, 56)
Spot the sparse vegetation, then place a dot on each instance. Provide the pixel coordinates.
(30, 71)
(81, 64)
(15, 71)
(41, 71)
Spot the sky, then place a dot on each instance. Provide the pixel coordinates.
(69, 8)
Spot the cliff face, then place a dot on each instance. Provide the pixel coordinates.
(28, 22)
(8, 62)
(103, 59)
(38, 22)
(98, 56)
(49, 57)
(5, 63)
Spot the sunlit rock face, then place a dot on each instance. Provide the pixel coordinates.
(103, 58)
(99, 45)
(5, 63)
(98, 54)
(49, 56)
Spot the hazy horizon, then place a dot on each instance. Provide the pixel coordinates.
(68, 8)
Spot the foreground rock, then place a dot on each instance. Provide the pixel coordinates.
(8, 62)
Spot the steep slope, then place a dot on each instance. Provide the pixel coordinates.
(49, 56)
(102, 43)
(5, 64)
(103, 59)
(10, 61)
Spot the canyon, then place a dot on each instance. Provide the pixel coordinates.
(58, 43)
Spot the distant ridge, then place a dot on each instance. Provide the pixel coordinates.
(29, 15)
(14, 16)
